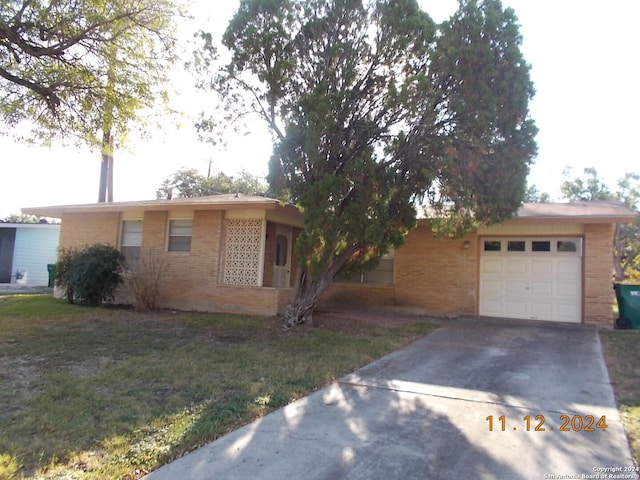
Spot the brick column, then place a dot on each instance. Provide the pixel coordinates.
(598, 274)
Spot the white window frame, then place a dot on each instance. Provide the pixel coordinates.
(362, 279)
(552, 239)
(130, 244)
(171, 235)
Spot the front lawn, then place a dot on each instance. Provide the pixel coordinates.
(113, 393)
(622, 356)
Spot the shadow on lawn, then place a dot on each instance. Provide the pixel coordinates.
(113, 392)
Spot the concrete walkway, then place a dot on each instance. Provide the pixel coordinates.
(18, 289)
(422, 413)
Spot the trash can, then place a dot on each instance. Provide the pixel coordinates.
(628, 297)
(51, 268)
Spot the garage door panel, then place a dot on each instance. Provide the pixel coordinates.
(516, 308)
(491, 308)
(542, 288)
(542, 266)
(531, 285)
(491, 287)
(569, 268)
(516, 266)
(516, 287)
(567, 312)
(568, 289)
(541, 310)
(491, 265)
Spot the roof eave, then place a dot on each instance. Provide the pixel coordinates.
(156, 205)
(581, 219)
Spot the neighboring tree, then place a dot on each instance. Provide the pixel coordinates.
(589, 187)
(189, 182)
(20, 218)
(83, 69)
(374, 107)
(534, 195)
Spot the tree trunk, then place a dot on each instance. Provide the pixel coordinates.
(110, 172)
(300, 310)
(307, 290)
(618, 253)
(105, 193)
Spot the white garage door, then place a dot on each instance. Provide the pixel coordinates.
(531, 278)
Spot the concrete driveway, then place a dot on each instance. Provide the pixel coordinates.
(421, 413)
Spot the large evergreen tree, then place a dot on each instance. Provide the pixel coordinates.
(373, 108)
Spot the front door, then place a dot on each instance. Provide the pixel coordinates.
(282, 257)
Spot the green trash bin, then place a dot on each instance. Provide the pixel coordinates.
(51, 268)
(628, 297)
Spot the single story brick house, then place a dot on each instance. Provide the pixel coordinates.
(233, 253)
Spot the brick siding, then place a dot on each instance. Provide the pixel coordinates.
(79, 230)
(436, 276)
(192, 278)
(598, 274)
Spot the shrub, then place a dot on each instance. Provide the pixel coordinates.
(143, 279)
(91, 275)
(64, 266)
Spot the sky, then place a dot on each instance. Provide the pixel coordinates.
(586, 79)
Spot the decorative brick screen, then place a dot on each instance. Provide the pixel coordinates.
(242, 257)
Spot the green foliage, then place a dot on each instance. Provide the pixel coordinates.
(190, 183)
(19, 218)
(9, 466)
(67, 258)
(534, 195)
(375, 107)
(590, 187)
(80, 68)
(482, 79)
(90, 275)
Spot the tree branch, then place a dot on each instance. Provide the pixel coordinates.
(47, 93)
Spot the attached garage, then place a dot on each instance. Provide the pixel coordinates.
(551, 262)
(537, 278)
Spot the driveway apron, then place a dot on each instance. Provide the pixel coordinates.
(478, 398)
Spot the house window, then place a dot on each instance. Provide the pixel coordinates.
(516, 246)
(541, 246)
(281, 250)
(131, 240)
(492, 245)
(382, 274)
(567, 246)
(180, 235)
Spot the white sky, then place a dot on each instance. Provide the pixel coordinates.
(582, 55)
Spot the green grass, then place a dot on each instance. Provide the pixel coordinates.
(112, 393)
(622, 356)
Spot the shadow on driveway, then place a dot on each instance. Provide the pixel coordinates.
(422, 412)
